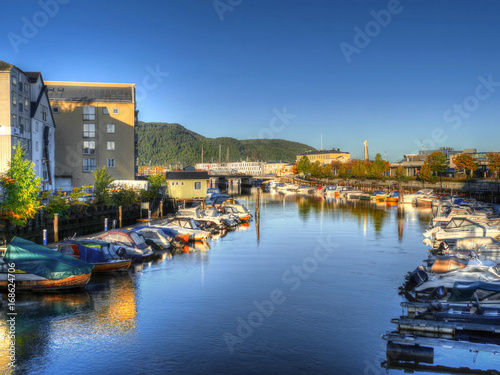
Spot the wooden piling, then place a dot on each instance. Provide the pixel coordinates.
(56, 227)
(120, 213)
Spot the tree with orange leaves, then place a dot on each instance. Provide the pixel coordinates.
(466, 162)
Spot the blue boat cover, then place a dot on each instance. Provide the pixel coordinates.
(41, 261)
(465, 290)
(169, 232)
(91, 254)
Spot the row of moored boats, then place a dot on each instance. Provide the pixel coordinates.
(454, 296)
(38, 268)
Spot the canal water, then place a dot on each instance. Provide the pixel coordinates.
(309, 290)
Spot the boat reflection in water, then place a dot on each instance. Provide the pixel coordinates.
(417, 354)
(105, 310)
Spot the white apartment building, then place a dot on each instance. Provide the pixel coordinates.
(254, 168)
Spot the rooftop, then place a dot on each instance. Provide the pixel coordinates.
(90, 92)
(187, 175)
(5, 67)
(324, 152)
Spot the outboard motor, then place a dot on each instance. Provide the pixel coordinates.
(415, 278)
(121, 252)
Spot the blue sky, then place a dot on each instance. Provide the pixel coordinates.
(401, 74)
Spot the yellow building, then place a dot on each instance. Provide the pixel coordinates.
(187, 185)
(95, 128)
(326, 156)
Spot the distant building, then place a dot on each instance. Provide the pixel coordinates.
(278, 168)
(413, 162)
(26, 118)
(95, 128)
(187, 185)
(326, 156)
(254, 168)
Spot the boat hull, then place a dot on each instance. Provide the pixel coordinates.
(30, 282)
(112, 266)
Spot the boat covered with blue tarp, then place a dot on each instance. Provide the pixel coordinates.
(38, 260)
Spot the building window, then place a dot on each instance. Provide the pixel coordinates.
(55, 110)
(14, 80)
(14, 98)
(110, 128)
(110, 145)
(89, 165)
(25, 87)
(182, 183)
(88, 130)
(44, 116)
(116, 111)
(26, 103)
(50, 89)
(105, 111)
(197, 186)
(88, 113)
(111, 163)
(89, 147)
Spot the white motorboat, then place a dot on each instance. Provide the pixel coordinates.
(460, 228)
(305, 189)
(412, 198)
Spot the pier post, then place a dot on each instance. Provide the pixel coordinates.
(56, 227)
(120, 211)
(105, 224)
(161, 209)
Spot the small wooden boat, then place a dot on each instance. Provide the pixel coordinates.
(105, 256)
(33, 267)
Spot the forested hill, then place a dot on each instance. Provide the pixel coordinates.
(165, 144)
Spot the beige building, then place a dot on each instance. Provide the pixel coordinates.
(95, 128)
(326, 156)
(278, 168)
(26, 118)
(187, 185)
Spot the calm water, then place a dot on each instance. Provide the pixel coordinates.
(310, 292)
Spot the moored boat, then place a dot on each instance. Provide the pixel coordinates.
(105, 256)
(37, 268)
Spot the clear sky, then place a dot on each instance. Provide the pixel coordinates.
(400, 74)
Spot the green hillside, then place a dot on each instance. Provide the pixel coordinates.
(169, 144)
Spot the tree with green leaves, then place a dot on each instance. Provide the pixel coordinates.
(360, 169)
(102, 182)
(400, 173)
(466, 162)
(304, 165)
(156, 181)
(316, 169)
(379, 167)
(20, 189)
(437, 162)
(493, 160)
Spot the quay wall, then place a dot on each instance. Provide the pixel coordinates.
(483, 190)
